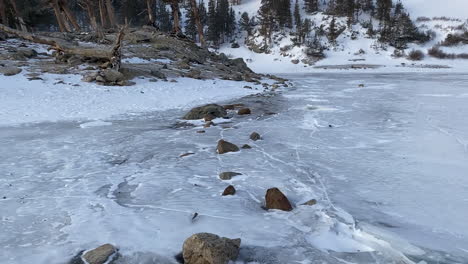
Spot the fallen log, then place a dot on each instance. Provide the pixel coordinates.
(108, 54)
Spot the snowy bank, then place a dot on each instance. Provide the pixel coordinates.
(66, 97)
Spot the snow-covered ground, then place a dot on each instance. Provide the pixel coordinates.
(394, 158)
(355, 46)
(66, 97)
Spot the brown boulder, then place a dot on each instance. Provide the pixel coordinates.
(206, 248)
(275, 199)
(244, 111)
(246, 146)
(230, 190)
(100, 255)
(225, 147)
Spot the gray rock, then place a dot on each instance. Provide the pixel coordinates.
(158, 74)
(227, 175)
(206, 248)
(10, 70)
(255, 136)
(90, 77)
(201, 111)
(194, 74)
(27, 53)
(100, 254)
(310, 202)
(112, 76)
(240, 65)
(225, 147)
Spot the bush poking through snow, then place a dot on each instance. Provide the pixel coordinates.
(436, 52)
(416, 55)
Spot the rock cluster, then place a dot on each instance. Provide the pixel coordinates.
(107, 77)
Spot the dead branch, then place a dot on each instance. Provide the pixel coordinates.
(111, 54)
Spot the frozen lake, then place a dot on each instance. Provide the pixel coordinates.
(391, 152)
(397, 154)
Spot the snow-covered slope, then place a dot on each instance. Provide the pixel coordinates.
(353, 47)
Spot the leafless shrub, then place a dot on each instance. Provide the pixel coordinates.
(416, 55)
(436, 52)
(444, 18)
(423, 19)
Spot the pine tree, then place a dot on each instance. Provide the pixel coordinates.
(190, 26)
(231, 23)
(283, 13)
(163, 18)
(202, 12)
(213, 32)
(245, 23)
(311, 6)
(370, 28)
(332, 31)
(222, 18)
(297, 17)
(367, 6)
(384, 8)
(267, 19)
(350, 10)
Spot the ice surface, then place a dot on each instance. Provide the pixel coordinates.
(393, 158)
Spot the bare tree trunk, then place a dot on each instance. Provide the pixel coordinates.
(116, 54)
(3, 15)
(89, 6)
(198, 22)
(175, 15)
(69, 14)
(102, 14)
(111, 14)
(20, 22)
(58, 15)
(65, 21)
(149, 7)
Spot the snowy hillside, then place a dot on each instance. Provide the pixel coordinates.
(353, 48)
